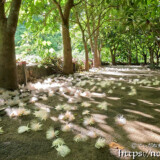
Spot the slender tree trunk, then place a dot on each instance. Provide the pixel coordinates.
(96, 57)
(99, 57)
(129, 58)
(67, 50)
(151, 56)
(136, 57)
(113, 59)
(145, 58)
(157, 56)
(86, 56)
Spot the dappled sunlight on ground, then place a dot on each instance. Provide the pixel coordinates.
(139, 113)
(85, 104)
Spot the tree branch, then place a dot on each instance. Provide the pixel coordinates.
(59, 9)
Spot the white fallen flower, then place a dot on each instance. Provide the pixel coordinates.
(2, 102)
(123, 88)
(1, 130)
(36, 126)
(85, 112)
(44, 97)
(80, 138)
(59, 107)
(51, 133)
(67, 107)
(92, 134)
(86, 104)
(22, 111)
(21, 104)
(23, 129)
(58, 142)
(17, 112)
(120, 120)
(100, 143)
(33, 99)
(63, 150)
(50, 93)
(42, 114)
(132, 92)
(61, 117)
(66, 127)
(110, 91)
(103, 106)
(69, 116)
(86, 94)
(88, 121)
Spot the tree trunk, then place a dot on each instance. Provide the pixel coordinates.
(151, 56)
(67, 51)
(96, 63)
(86, 56)
(157, 56)
(8, 71)
(145, 59)
(136, 57)
(113, 59)
(99, 57)
(129, 58)
(96, 58)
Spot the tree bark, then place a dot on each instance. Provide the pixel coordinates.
(8, 71)
(113, 59)
(67, 51)
(130, 58)
(96, 57)
(145, 58)
(151, 56)
(157, 56)
(86, 56)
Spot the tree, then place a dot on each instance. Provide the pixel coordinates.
(67, 50)
(8, 25)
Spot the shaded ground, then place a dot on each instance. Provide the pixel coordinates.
(141, 110)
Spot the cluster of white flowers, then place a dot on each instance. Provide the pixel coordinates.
(102, 106)
(41, 114)
(67, 127)
(80, 138)
(88, 121)
(100, 143)
(51, 133)
(133, 91)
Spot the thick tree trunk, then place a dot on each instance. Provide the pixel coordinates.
(8, 72)
(67, 50)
